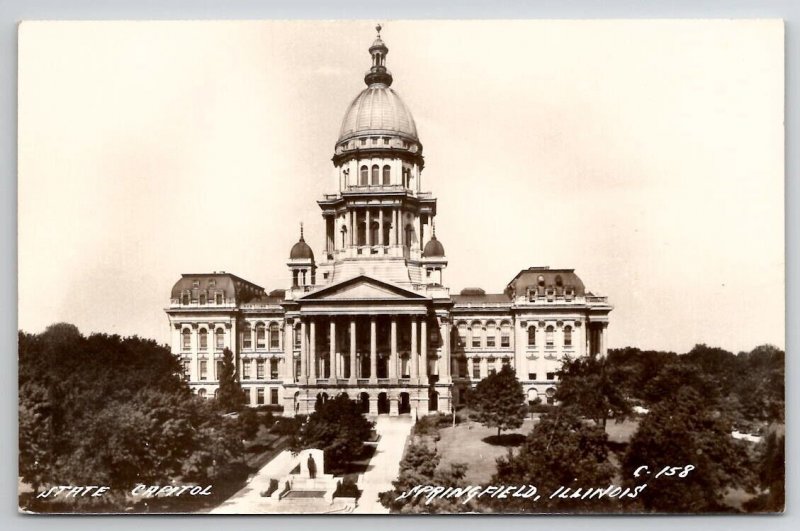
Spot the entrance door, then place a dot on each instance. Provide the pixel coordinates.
(383, 404)
(405, 404)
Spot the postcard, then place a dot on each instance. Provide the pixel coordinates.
(401, 267)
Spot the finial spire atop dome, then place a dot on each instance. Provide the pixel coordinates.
(301, 232)
(378, 74)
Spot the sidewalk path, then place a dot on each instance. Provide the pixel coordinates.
(385, 464)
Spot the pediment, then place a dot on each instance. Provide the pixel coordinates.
(362, 288)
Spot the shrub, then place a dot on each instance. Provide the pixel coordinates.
(346, 489)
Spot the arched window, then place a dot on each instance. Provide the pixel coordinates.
(386, 174)
(274, 335)
(491, 334)
(201, 393)
(505, 335)
(462, 334)
(375, 174)
(532, 336)
(406, 177)
(247, 337)
(187, 339)
(261, 336)
(477, 331)
(220, 339)
(203, 339)
(202, 298)
(548, 336)
(567, 336)
(364, 175)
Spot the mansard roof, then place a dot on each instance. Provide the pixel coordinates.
(544, 277)
(234, 288)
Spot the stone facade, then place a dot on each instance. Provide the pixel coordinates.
(373, 318)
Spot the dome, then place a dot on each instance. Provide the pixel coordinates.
(378, 110)
(301, 251)
(433, 249)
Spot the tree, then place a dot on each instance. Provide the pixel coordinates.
(230, 396)
(561, 450)
(771, 474)
(593, 388)
(681, 430)
(106, 410)
(338, 428)
(419, 467)
(499, 401)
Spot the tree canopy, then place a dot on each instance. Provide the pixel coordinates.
(338, 428)
(106, 410)
(499, 401)
(561, 449)
(593, 388)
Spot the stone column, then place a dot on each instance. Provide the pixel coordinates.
(393, 358)
(288, 352)
(419, 232)
(380, 227)
(353, 350)
(602, 333)
(303, 352)
(423, 350)
(312, 350)
(393, 231)
(368, 231)
(373, 351)
(445, 360)
(414, 357)
(332, 360)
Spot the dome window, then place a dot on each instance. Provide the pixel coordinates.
(363, 141)
(387, 173)
(364, 176)
(375, 174)
(385, 141)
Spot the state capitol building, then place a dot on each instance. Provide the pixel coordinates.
(369, 314)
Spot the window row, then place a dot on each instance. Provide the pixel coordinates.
(262, 331)
(261, 396)
(549, 336)
(260, 366)
(476, 339)
(202, 298)
(373, 177)
(202, 339)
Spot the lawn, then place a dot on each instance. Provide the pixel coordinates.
(465, 444)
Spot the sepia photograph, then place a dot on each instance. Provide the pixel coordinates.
(399, 267)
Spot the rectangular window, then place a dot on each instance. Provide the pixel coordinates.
(505, 340)
(203, 370)
(247, 338)
(260, 369)
(261, 337)
(551, 376)
(297, 369)
(274, 337)
(490, 340)
(218, 298)
(531, 337)
(531, 376)
(246, 393)
(245, 369)
(273, 395)
(187, 370)
(462, 338)
(297, 338)
(476, 340)
(187, 340)
(203, 340)
(260, 396)
(220, 339)
(548, 337)
(476, 370)
(219, 369)
(273, 369)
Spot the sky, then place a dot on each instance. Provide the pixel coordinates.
(646, 155)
